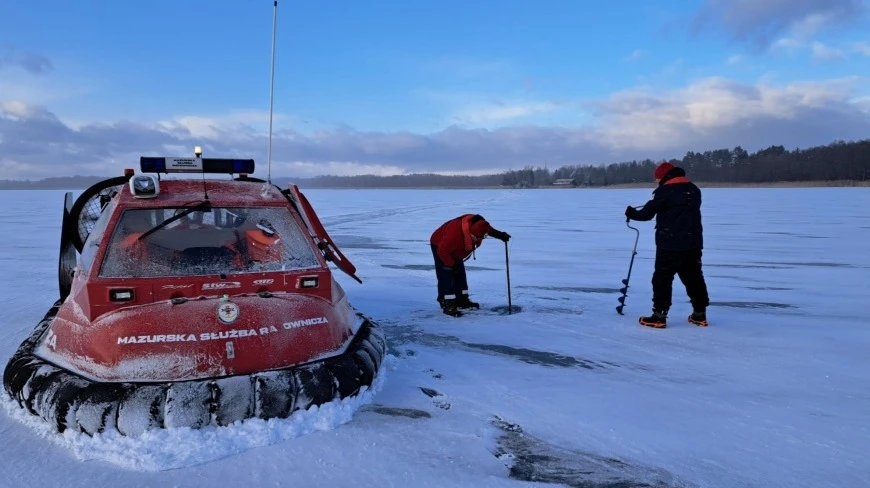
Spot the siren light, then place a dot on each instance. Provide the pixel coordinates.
(195, 165)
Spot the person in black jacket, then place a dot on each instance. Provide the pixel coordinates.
(676, 205)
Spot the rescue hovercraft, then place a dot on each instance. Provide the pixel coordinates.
(192, 303)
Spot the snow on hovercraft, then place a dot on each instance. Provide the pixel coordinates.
(192, 302)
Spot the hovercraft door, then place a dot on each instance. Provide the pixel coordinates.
(66, 262)
(88, 207)
(318, 232)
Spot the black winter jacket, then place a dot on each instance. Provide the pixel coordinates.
(676, 205)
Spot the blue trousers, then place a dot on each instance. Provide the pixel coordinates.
(451, 284)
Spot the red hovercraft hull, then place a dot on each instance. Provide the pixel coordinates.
(165, 341)
(193, 350)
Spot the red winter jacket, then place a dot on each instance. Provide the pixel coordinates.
(454, 237)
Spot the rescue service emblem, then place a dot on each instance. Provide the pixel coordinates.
(228, 312)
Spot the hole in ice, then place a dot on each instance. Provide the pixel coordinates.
(402, 334)
(529, 458)
(573, 289)
(431, 267)
(504, 310)
(811, 264)
(412, 413)
(532, 356)
(347, 241)
(748, 266)
(751, 305)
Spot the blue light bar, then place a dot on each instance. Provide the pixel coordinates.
(196, 165)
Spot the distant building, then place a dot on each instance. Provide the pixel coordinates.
(565, 182)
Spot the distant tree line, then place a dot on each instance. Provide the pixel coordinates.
(54, 183)
(838, 161)
(848, 161)
(417, 180)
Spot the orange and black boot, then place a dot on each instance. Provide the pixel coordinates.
(699, 318)
(658, 320)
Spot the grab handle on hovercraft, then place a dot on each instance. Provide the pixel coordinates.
(318, 232)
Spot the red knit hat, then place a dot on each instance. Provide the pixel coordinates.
(662, 169)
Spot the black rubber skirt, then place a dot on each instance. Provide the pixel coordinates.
(68, 401)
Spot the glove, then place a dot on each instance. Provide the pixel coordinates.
(502, 236)
(629, 211)
(453, 271)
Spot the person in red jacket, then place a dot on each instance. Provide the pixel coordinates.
(452, 243)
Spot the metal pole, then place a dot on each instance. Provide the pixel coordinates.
(272, 91)
(508, 270)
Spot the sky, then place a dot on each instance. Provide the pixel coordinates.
(388, 87)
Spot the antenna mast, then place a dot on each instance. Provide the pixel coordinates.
(272, 91)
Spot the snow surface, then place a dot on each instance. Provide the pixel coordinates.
(776, 392)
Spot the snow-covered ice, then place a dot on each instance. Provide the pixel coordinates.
(776, 392)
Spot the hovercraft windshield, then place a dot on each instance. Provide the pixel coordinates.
(217, 240)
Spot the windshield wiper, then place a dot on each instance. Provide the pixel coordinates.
(199, 206)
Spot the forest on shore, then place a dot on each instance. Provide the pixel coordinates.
(839, 161)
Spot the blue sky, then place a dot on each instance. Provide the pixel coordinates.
(388, 87)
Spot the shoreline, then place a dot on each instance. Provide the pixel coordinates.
(771, 184)
(618, 186)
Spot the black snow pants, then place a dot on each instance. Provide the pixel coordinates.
(451, 284)
(686, 265)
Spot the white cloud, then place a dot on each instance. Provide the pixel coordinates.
(674, 67)
(30, 62)
(822, 52)
(813, 23)
(305, 169)
(634, 56)
(787, 44)
(712, 109)
(761, 21)
(501, 111)
(14, 108)
(862, 48)
(240, 124)
(631, 124)
(819, 51)
(37, 89)
(34, 80)
(735, 59)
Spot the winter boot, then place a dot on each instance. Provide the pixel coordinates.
(699, 318)
(448, 306)
(658, 320)
(464, 302)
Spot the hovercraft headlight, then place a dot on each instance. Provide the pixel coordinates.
(144, 186)
(121, 295)
(308, 282)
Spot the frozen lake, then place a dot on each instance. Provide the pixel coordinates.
(776, 392)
